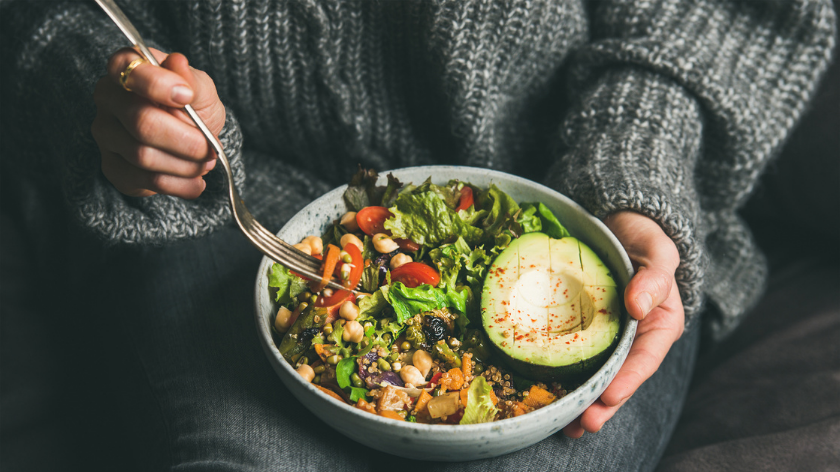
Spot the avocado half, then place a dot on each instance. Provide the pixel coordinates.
(551, 308)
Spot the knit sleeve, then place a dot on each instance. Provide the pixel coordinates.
(679, 107)
(57, 52)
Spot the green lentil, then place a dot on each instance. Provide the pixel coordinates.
(394, 356)
(331, 337)
(316, 379)
(357, 381)
(328, 329)
(313, 298)
(405, 346)
(345, 257)
(334, 359)
(383, 364)
(319, 369)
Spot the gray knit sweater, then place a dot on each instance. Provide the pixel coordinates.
(668, 108)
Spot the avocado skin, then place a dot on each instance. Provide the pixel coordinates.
(573, 373)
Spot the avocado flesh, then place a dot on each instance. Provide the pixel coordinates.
(551, 308)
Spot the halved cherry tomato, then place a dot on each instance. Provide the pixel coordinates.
(357, 266)
(334, 302)
(466, 200)
(327, 268)
(436, 379)
(415, 274)
(371, 219)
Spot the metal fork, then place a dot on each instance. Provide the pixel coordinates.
(269, 244)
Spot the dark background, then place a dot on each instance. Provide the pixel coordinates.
(57, 413)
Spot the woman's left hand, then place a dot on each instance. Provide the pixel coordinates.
(652, 298)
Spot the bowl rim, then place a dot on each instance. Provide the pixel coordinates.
(626, 338)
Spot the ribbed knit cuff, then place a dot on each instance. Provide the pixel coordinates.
(631, 144)
(155, 220)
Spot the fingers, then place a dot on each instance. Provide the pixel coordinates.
(135, 182)
(156, 84)
(113, 137)
(654, 338)
(156, 127)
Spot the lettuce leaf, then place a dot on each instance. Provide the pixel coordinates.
(287, 284)
(425, 218)
(480, 408)
(363, 191)
(550, 224)
(501, 212)
(372, 306)
(408, 302)
(528, 219)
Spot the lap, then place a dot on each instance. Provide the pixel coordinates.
(200, 395)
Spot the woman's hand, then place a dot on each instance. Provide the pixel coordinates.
(148, 143)
(652, 298)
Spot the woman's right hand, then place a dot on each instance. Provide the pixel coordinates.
(148, 143)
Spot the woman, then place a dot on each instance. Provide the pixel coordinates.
(656, 116)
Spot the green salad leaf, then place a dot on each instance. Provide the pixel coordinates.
(426, 219)
(287, 284)
(528, 219)
(343, 370)
(550, 224)
(408, 302)
(480, 408)
(363, 191)
(501, 211)
(357, 393)
(373, 305)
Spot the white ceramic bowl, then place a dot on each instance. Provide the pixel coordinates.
(446, 442)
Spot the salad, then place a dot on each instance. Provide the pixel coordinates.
(432, 337)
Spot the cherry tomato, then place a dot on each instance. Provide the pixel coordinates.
(436, 378)
(371, 220)
(334, 302)
(415, 274)
(466, 200)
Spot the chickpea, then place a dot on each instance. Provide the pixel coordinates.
(283, 320)
(383, 244)
(353, 332)
(400, 260)
(351, 239)
(348, 220)
(349, 311)
(315, 244)
(303, 247)
(306, 371)
(422, 362)
(410, 375)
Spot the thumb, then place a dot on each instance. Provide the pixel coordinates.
(656, 257)
(205, 100)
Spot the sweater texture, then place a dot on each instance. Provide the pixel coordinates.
(668, 108)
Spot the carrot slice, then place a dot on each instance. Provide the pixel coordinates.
(327, 268)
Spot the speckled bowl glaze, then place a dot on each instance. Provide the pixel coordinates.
(445, 442)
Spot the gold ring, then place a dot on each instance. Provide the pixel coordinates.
(131, 66)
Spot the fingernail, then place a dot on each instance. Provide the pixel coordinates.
(645, 301)
(209, 165)
(181, 94)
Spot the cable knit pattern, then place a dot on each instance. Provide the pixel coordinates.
(665, 107)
